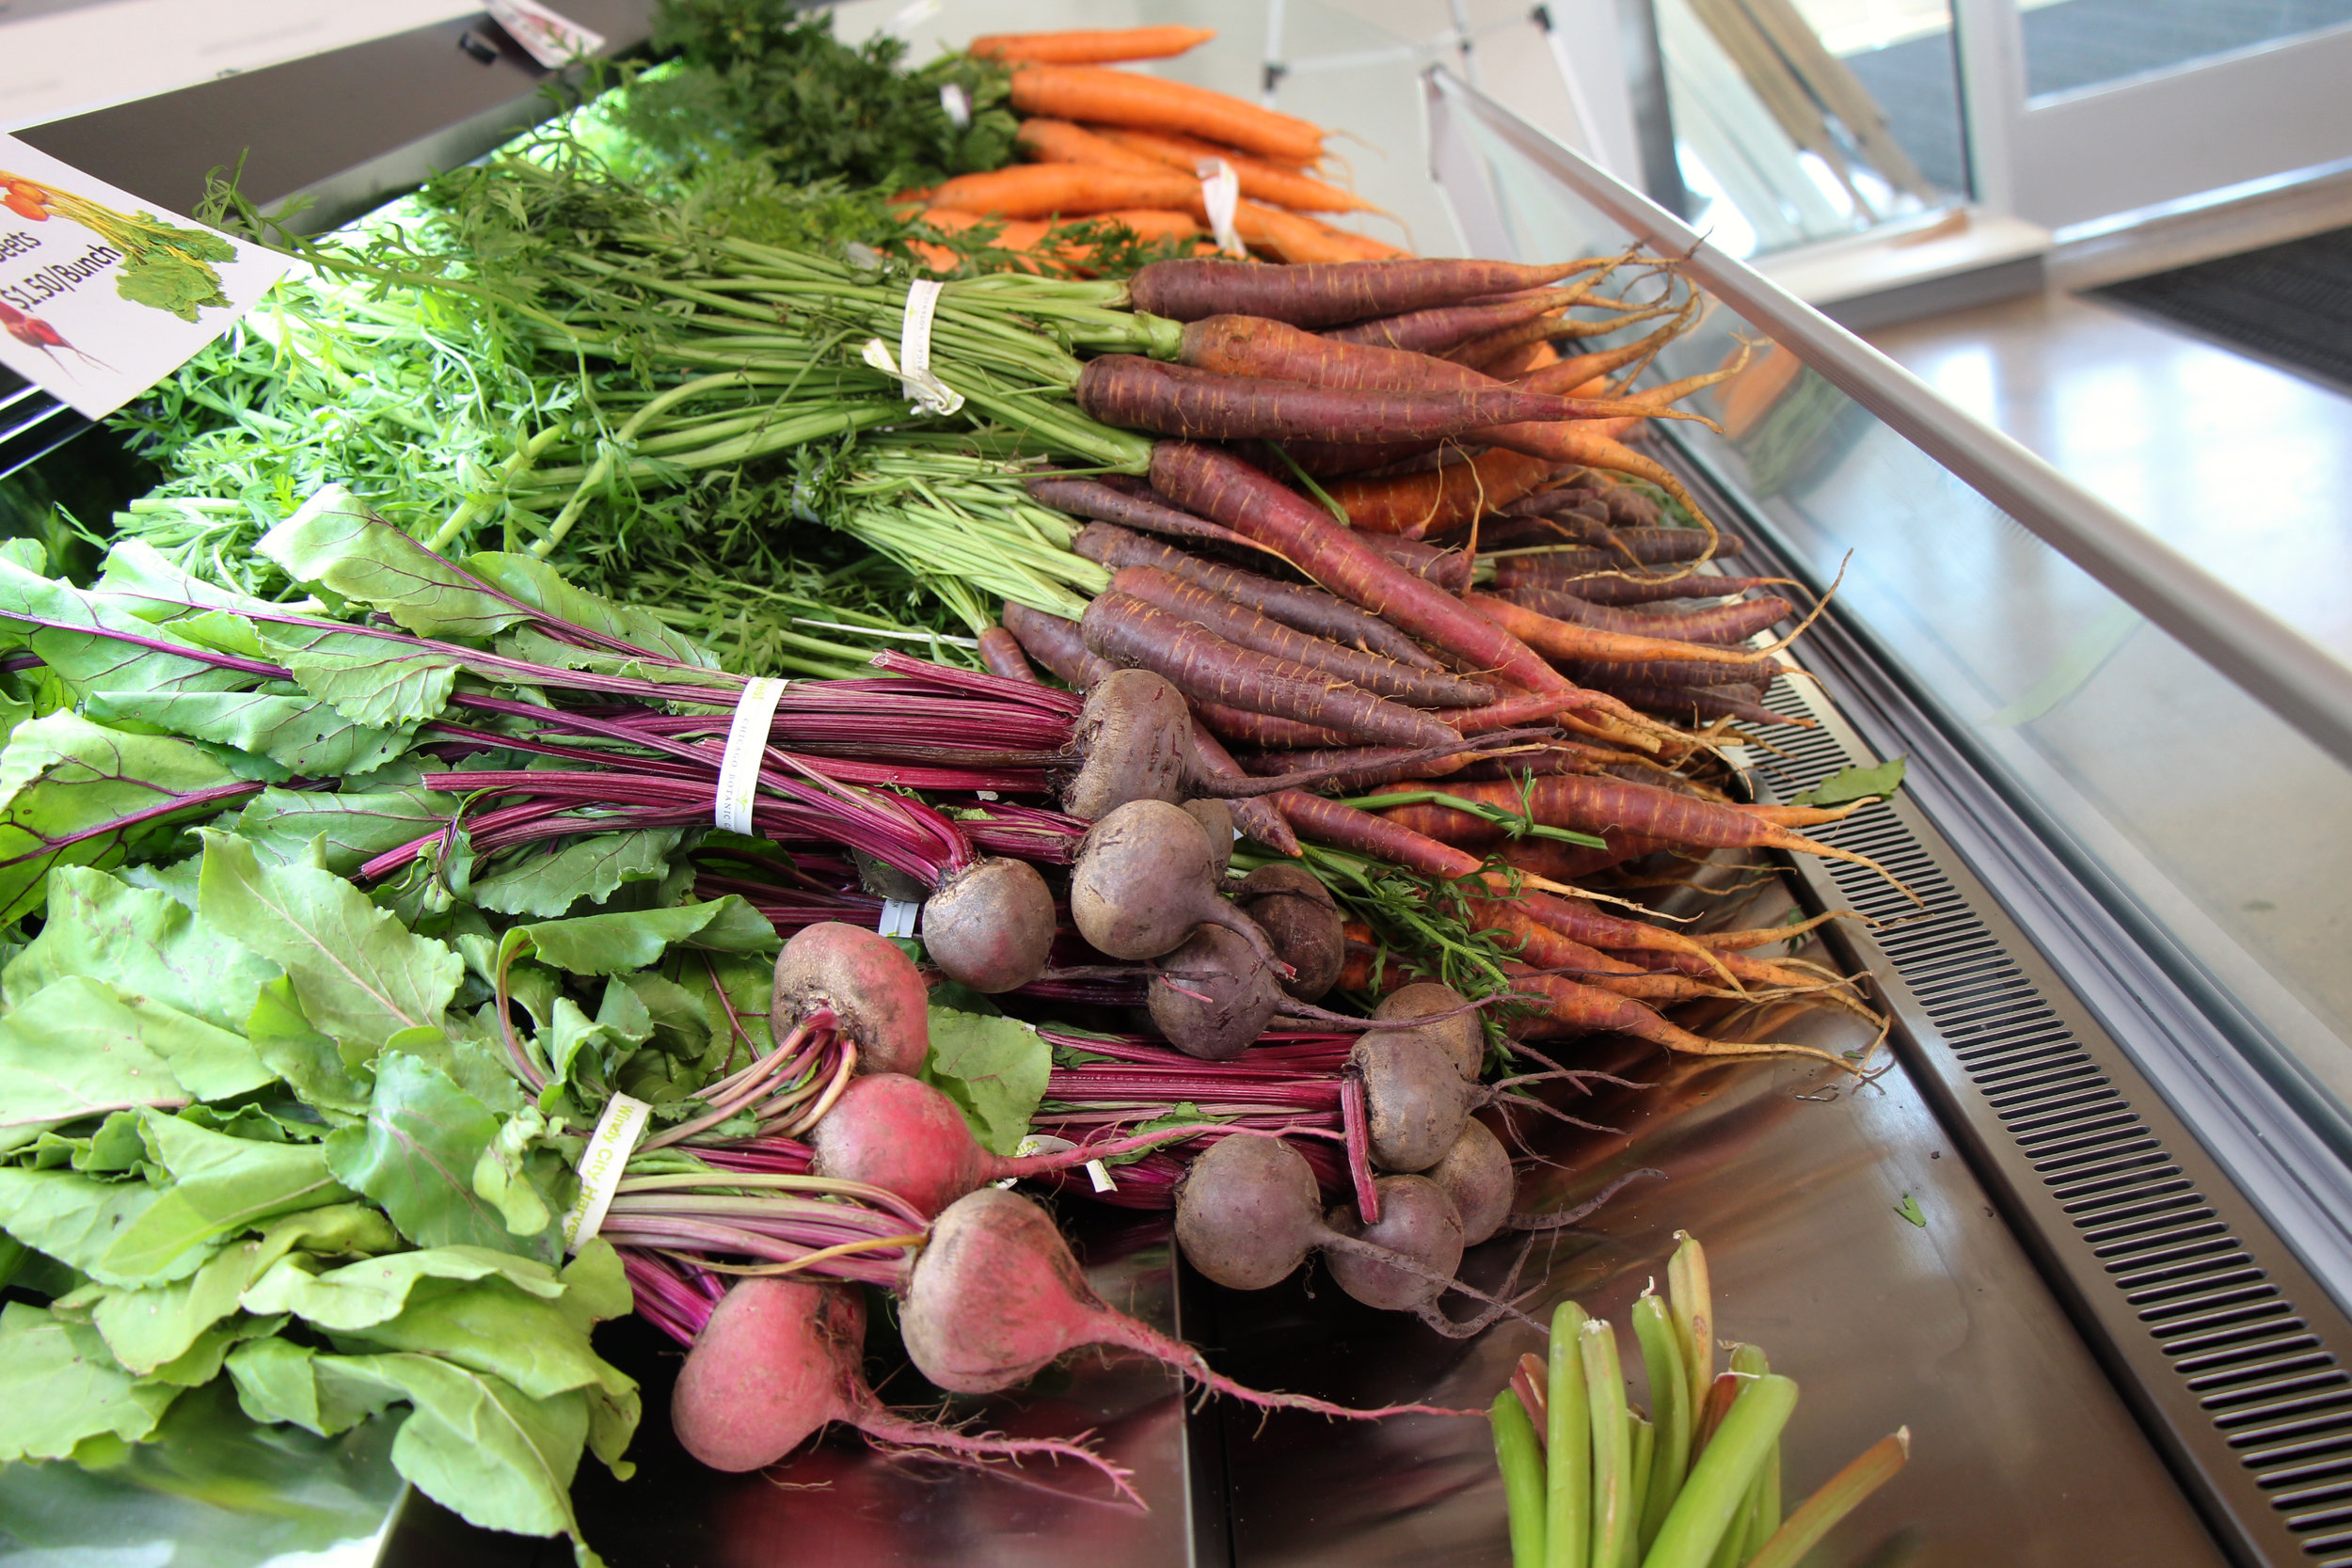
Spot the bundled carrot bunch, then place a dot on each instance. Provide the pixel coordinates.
(1527, 716)
(1138, 150)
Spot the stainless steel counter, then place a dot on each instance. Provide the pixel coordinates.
(1792, 1177)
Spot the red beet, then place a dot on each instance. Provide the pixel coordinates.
(904, 1136)
(866, 982)
(779, 1360)
(996, 1297)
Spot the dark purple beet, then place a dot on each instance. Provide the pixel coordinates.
(1461, 1036)
(1135, 739)
(1418, 1221)
(1213, 996)
(991, 925)
(1302, 920)
(1144, 880)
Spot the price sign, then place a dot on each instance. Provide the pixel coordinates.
(101, 296)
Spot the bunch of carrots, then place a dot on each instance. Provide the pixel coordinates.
(1134, 150)
(1574, 687)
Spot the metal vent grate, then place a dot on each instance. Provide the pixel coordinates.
(2271, 1390)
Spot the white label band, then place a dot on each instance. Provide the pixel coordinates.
(1221, 193)
(608, 1148)
(914, 351)
(900, 916)
(957, 105)
(1035, 1143)
(747, 746)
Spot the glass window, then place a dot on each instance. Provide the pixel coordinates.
(2215, 821)
(1801, 121)
(2075, 44)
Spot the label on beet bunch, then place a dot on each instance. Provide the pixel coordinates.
(1045, 1142)
(101, 296)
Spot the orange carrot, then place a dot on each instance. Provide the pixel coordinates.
(1070, 190)
(1057, 141)
(1568, 640)
(1435, 499)
(1154, 223)
(1365, 247)
(1589, 803)
(1260, 180)
(1754, 392)
(1289, 237)
(1090, 94)
(1089, 46)
(1524, 361)
(1584, 367)
(1184, 152)
(1579, 441)
(1336, 823)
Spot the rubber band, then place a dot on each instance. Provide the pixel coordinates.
(610, 1146)
(1221, 193)
(747, 747)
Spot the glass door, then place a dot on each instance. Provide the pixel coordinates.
(2084, 108)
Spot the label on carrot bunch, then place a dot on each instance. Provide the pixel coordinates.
(102, 297)
(747, 747)
(915, 350)
(600, 1165)
(1220, 194)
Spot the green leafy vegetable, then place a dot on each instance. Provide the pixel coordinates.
(1854, 783)
(359, 975)
(590, 868)
(220, 1185)
(994, 1069)
(626, 940)
(416, 1156)
(144, 943)
(74, 793)
(59, 1388)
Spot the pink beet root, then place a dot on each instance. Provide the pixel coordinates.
(995, 1297)
(779, 1360)
(866, 982)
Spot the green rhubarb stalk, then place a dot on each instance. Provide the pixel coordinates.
(1612, 1447)
(1522, 1479)
(1718, 1483)
(1838, 1496)
(1670, 1411)
(1568, 1448)
(1690, 1298)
